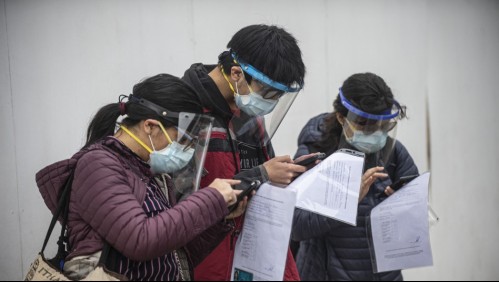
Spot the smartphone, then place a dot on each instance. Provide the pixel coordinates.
(352, 152)
(312, 159)
(247, 190)
(402, 181)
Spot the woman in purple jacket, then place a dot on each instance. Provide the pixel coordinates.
(115, 198)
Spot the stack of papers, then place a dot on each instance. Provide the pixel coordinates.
(332, 188)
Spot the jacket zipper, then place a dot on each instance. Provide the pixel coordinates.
(233, 238)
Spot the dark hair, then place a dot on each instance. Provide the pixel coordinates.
(164, 90)
(366, 91)
(271, 50)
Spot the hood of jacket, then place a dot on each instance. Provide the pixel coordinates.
(197, 76)
(52, 179)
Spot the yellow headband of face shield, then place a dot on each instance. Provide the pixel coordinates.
(166, 134)
(236, 91)
(140, 141)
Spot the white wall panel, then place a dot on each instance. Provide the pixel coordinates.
(10, 241)
(462, 78)
(389, 39)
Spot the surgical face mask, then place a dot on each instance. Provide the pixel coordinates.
(253, 104)
(171, 159)
(368, 144)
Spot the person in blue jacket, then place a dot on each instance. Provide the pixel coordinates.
(364, 119)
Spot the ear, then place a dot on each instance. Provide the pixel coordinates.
(149, 126)
(340, 118)
(236, 73)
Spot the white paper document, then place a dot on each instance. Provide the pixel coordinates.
(261, 249)
(332, 187)
(400, 228)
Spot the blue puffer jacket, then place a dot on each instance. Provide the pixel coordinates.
(331, 250)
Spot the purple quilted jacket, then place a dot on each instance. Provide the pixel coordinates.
(108, 191)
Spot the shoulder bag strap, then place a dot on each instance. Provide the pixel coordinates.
(62, 204)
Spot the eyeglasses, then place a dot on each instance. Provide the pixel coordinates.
(268, 92)
(191, 144)
(187, 140)
(367, 126)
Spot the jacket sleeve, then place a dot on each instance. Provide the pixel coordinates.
(302, 151)
(105, 200)
(257, 173)
(310, 134)
(404, 164)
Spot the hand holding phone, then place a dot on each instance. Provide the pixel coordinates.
(311, 160)
(247, 188)
(402, 181)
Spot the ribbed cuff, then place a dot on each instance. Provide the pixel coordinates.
(265, 175)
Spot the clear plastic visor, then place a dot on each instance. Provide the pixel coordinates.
(368, 123)
(259, 130)
(369, 126)
(372, 134)
(194, 132)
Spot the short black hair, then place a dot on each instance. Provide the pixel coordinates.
(272, 50)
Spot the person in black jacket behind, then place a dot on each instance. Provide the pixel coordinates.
(364, 118)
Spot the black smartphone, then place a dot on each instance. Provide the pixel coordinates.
(402, 181)
(309, 161)
(247, 190)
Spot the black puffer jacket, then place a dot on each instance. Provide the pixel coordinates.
(331, 250)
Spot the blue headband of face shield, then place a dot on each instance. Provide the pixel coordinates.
(256, 74)
(386, 116)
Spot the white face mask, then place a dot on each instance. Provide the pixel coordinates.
(171, 159)
(253, 104)
(368, 144)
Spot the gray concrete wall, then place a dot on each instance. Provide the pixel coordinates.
(61, 60)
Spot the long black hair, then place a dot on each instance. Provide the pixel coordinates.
(164, 90)
(366, 91)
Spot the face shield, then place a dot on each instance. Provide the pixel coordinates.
(372, 134)
(194, 132)
(183, 159)
(263, 109)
